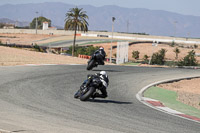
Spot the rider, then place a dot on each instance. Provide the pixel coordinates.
(103, 77)
(101, 54)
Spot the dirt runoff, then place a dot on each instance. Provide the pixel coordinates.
(188, 91)
(23, 39)
(14, 56)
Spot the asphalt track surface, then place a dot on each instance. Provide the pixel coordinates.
(39, 99)
(68, 43)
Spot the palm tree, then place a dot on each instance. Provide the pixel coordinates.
(76, 20)
(176, 51)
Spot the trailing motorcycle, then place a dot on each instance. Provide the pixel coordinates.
(95, 60)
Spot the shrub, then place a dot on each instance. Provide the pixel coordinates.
(159, 57)
(195, 46)
(38, 48)
(135, 54)
(145, 59)
(173, 43)
(176, 51)
(188, 60)
(82, 50)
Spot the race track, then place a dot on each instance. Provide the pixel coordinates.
(39, 99)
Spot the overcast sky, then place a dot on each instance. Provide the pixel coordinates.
(186, 7)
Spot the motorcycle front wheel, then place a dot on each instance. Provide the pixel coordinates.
(77, 94)
(87, 94)
(90, 65)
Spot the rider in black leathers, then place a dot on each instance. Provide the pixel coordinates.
(100, 54)
(103, 77)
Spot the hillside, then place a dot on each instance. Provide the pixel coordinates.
(16, 23)
(133, 20)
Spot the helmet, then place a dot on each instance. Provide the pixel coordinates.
(101, 48)
(103, 73)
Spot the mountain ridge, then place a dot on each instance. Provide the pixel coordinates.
(132, 20)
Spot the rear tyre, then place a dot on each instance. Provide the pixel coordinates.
(88, 94)
(90, 65)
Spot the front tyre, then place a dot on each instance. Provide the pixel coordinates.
(90, 65)
(77, 94)
(88, 94)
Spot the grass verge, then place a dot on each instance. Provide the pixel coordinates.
(168, 98)
(131, 63)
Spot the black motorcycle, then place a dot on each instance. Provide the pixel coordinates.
(95, 60)
(85, 92)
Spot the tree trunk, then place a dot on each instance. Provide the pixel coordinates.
(73, 47)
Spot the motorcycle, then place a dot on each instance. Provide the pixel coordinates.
(94, 61)
(85, 92)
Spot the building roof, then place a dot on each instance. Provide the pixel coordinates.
(45, 22)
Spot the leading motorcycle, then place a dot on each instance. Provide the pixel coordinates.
(87, 91)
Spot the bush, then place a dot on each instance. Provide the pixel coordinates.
(159, 57)
(173, 43)
(135, 54)
(195, 46)
(38, 48)
(188, 60)
(82, 50)
(145, 59)
(176, 51)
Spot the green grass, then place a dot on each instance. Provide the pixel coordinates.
(98, 42)
(131, 63)
(168, 98)
(49, 43)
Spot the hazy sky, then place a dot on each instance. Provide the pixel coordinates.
(186, 7)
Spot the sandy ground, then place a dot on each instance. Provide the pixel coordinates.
(14, 56)
(188, 90)
(24, 39)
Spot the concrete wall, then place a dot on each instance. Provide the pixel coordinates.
(33, 31)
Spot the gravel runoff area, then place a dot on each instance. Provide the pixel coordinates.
(188, 90)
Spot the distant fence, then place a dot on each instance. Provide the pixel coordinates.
(32, 31)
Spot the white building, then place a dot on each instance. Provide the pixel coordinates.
(45, 25)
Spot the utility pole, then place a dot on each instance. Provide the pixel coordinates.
(36, 25)
(113, 19)
(175, 22)
(127, 26)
